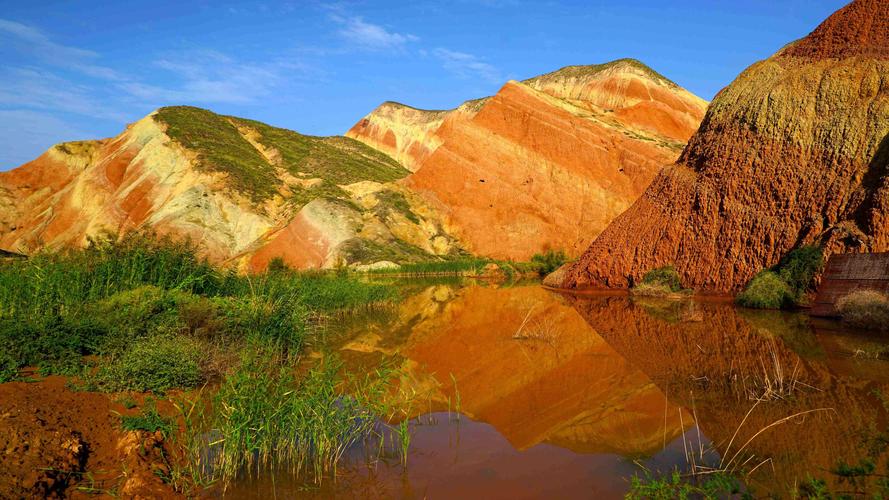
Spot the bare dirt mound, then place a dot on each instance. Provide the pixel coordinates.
(55, 443)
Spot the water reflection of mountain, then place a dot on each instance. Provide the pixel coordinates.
(716, 359)
(527, 363)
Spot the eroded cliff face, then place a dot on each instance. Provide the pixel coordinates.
(510, 173)
(243, 191)
(794, 151)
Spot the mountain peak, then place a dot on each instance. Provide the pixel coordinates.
(590, 70)
(858, 29)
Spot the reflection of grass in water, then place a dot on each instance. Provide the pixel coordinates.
(672, 311)
(793, 329)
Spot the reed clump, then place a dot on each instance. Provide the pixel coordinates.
(868, 309)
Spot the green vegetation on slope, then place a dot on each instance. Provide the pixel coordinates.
(222, 148)
(394, 202)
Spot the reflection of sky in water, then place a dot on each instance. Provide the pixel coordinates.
(573, 394)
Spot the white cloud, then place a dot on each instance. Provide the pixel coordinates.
(467, 66)
(33, 41)
(369, 36)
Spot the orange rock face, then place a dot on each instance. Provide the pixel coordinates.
(408, 134)
(582, 140)
(794, 151)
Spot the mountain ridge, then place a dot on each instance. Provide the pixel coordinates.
(623, 118)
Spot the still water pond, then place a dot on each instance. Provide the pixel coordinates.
(520, 392)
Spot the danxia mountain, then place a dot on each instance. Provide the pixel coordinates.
(243, 191)
(546, 163)
(795, 151)
(505, 176)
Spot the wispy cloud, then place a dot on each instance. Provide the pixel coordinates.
(467, 66)
(42, 89)
(364, 35)
(33, 41)
(213, 77)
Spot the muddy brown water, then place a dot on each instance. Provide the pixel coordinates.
(520, 392)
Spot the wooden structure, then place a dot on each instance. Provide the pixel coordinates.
(846, 273)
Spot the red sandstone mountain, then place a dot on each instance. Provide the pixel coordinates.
(511, 173)
(794, 151)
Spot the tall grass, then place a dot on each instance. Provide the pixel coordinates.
(264, 416)
(159, 317)
(867, 309)
(106, 298)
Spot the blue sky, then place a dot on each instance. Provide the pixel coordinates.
(82, 70)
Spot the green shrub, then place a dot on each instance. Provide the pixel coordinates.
(665, 277)
(796, 270)
(799, 267)
(155, 364)
(148, 419)
(766, 291)
(133, 314)
(865, 309)
(277, 265)
(549, 261)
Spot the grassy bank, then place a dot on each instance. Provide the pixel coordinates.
(540, 264)
(148, 315)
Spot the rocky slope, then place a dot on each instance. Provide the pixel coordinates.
(512, 172)
(245, 192)
(794, 151)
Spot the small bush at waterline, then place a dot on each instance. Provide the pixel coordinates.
(149, 419)
(787, 283)
(766, 291)
(799, 267)
(867, 309)
(156, 364)
(659, 282)
(549, 261)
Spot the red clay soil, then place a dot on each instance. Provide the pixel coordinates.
(858, 29)
(55, 443)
